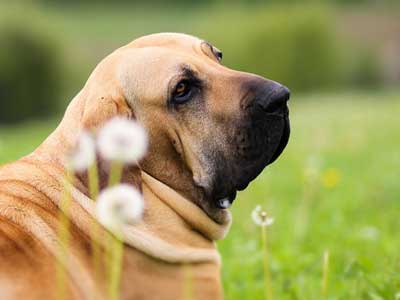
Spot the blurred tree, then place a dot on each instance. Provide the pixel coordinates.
(296, 46)
(30, 73)
(207, 2)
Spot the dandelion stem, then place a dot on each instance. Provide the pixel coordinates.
(115, 244)
(93, 181)
(302, 216)
(325, 274)
(64, 234)
(115, 173)
(117, 252)
(93, 178)
(267, 274)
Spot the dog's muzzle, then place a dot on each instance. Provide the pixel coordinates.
(258, 140)
(273, 101)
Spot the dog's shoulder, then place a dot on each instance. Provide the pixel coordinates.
(17, 217)
(22, 209)
(24, 263)
(17, 247)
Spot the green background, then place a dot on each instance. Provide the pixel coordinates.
(345, 109)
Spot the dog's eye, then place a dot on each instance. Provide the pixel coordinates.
(182, 92)
(219, 55)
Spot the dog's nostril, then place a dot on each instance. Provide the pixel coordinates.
(275, 101)
(285, 94)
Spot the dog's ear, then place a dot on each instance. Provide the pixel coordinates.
(102, 103)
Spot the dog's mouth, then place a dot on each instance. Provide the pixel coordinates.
(268, 140)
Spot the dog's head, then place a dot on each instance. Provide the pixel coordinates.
(211, 129)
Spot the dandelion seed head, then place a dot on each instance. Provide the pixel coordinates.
(84, 153)
(118, 206)
(122, 140)
(261, 218)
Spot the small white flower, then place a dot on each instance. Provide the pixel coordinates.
(122, 140)
(260, 217)
(84, 153)
(119, 205)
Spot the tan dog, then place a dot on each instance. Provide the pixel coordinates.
(211, 131)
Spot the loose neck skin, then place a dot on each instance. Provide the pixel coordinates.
(174, 229)
(190, 213)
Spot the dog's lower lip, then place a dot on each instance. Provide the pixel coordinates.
(283, 142)
(226, 202)
(241, 187)
(223, 203)
(232, 196)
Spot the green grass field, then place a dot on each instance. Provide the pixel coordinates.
(336, 188)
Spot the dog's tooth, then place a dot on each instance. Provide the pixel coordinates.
(224, 203)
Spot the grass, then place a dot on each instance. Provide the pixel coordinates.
(357, 220)
(350, 207)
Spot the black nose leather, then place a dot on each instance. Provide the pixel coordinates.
(273, 98)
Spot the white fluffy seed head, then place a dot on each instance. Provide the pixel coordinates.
(118, 206)
(84, 154)
(122, 140)
(261, 218)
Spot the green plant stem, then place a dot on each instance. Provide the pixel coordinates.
(93, 174)
(64, 235)
(93, 183)
(115, 173)
(267, 274)
(302, 216)
(96, 249)
(325, 275)
(117, 252)
(115, 245)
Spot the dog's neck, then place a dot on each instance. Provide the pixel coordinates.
(179, 230)
(174, 229)
(192, 215)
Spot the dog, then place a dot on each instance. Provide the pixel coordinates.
(211, 131)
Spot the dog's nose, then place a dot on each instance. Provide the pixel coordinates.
(273, 98)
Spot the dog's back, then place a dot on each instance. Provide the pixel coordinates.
(30, 265)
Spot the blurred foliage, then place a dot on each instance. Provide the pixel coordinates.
(208, 2)
(363, 68)
(295, 46)
(30, 71)
(298, 45)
